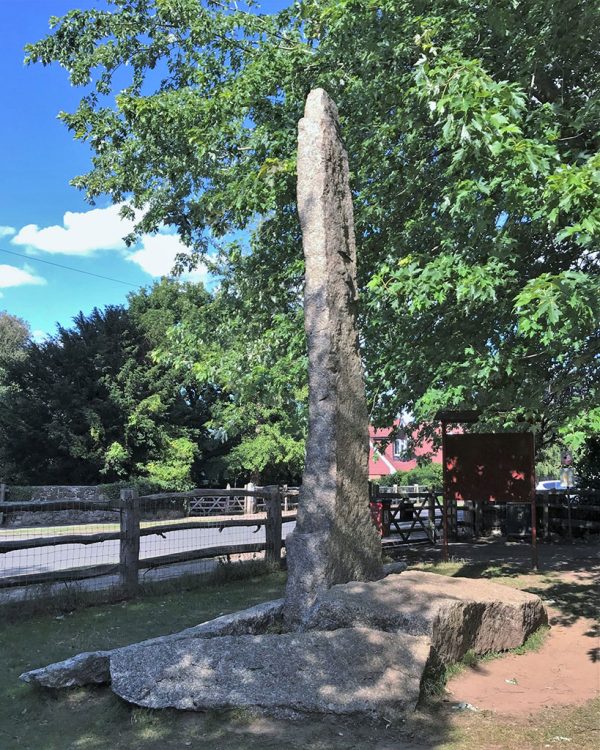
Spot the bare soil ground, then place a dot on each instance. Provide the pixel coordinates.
(564, 672)
(543, 698)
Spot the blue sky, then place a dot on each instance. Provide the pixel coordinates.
(41, 215)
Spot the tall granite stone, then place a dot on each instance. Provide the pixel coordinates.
(334, 540)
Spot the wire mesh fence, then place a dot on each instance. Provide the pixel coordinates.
(155, 536)
(44, 540)
(130, 539)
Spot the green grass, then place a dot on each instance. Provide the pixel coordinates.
(95, 719)
(96, 528)
(533, 643)
(35, 531)
(577, 725)
(90, 719)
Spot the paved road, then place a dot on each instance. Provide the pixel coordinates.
(63, 556)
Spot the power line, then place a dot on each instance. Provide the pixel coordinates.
(68, 268)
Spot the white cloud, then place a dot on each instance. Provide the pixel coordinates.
(158, 253)
(103, 229)
(81, 233)
(12, 276)
(7, 231)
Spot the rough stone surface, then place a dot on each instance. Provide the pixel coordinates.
(366, 651)
(93, 667)
(90, 492)
(394, 567)
(59, 517)
(340, 672)
(458, 614)
(334, 540)
(248, 621)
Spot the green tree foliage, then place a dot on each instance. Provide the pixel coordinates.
(588, 465)
(91, 404)
(256, 364)
(14, 337)
(429, 475)
(472, 131)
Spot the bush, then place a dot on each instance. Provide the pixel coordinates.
(425, 476)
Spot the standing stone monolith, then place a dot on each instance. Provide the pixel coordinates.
(334, 540)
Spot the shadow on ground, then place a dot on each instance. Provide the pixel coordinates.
(95, 719)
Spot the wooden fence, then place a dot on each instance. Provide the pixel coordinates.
(560, 514)
(410, 515)
(130, 509)
(406, 515)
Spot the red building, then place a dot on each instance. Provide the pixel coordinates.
(387, 456)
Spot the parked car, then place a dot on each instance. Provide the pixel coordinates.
(550, 484)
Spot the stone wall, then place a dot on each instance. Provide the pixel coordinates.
(72, 516)
(59, 518)
(61, 493)
(90, 492)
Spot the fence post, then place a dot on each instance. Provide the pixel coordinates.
(569, 517)
(455, 520)
(273, 524)
(249, 500)
(129, 556)
(431, 517)
(546, 515)
(2, 499)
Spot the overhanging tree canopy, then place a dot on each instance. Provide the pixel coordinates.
(472, 132)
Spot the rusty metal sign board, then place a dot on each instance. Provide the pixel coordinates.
(489, 467)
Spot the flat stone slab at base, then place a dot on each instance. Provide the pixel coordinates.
(93, 667)
(345, 671)
(458, 614)
(89, 668)
(365, 649)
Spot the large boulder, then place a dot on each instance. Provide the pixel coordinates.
(355, 670)
(92, 667)
(365, 649)
(458, 614)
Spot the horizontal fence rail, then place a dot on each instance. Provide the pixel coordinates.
(134, 535)
(128, 538)
(409, 516)
(560, 515)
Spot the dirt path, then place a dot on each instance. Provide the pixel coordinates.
(564, 672)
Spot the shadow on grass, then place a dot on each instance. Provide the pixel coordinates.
(573, 600)
(95, 719)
